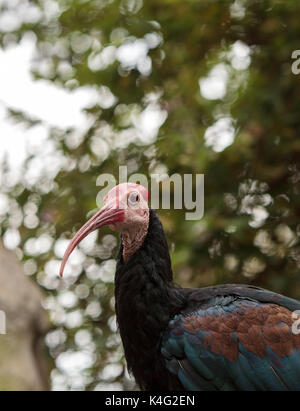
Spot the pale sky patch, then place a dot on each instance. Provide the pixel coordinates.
(41, 100)
(214, 86)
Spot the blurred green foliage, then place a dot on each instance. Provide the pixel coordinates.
(251, 227)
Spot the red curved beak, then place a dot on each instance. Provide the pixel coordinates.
(107, 215)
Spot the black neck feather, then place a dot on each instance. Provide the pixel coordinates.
(146, 300)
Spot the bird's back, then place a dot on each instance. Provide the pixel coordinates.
(234, 337)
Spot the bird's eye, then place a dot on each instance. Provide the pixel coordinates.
(133, 199)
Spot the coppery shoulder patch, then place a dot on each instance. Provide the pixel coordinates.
(254, 326)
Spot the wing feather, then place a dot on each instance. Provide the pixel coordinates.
(239, 345)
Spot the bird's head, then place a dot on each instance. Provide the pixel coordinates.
(125, 210)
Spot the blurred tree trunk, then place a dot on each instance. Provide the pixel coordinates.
(23, 363)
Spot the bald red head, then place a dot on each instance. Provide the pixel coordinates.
(125, 209)
(120, 191)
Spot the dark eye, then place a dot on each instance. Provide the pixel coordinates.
(133, 199)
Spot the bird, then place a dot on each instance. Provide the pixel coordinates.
(230, 337)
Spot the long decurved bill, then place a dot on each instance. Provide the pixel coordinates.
(107, 215)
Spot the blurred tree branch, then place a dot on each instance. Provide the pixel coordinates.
(23, 364)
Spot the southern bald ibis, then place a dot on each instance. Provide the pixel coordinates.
(229, 337)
